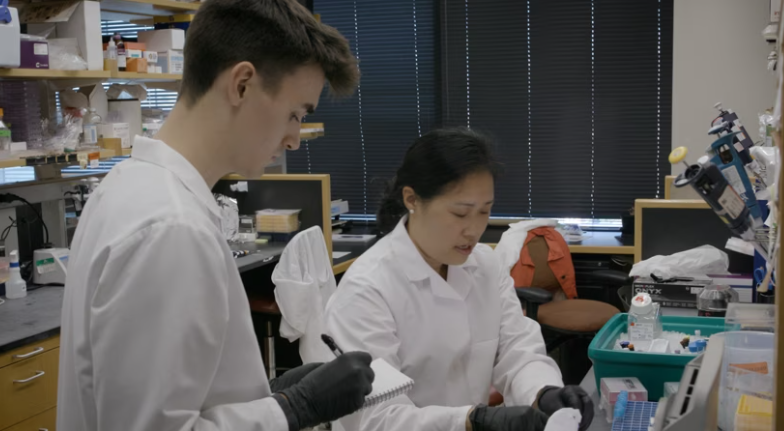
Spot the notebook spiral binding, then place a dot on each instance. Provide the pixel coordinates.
(387, 395)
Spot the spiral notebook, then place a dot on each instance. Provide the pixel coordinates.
(388, 383)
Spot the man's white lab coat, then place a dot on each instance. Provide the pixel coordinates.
(455, 338)
(156, 328)
(303, 284)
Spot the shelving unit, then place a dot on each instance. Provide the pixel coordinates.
(54, 74)
(22, 162)
(146, 77)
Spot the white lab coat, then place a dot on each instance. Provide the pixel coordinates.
(303, 284)
(513, 240)
(454, 338)
(156, 329)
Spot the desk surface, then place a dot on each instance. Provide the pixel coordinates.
(597, 242)
(32, 318)
(260, 254)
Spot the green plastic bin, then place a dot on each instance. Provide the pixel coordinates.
(653, 369)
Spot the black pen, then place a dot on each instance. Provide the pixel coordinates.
(331, 344)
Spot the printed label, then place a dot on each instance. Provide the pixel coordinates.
(696, 290)
(45, 266)
(5, 133)
(732, 176)
(732, 203)
(90, 134)
(641, 331)
(41, 49)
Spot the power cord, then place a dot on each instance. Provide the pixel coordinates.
(10, 198)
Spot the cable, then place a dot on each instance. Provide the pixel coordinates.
(10, 197)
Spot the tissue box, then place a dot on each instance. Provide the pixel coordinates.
(171, 61)
(35, 54)
(163, 40)
(121, 131)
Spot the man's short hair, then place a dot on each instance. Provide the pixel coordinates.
(276, 36)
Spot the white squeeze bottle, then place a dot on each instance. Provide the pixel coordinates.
(15, 287)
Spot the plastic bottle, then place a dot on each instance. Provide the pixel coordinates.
(5, 134)
(644, 320)
(111, 50)
(90, 124)
(15, 287)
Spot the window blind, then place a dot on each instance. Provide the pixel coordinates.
(576, 93)
(396, 101)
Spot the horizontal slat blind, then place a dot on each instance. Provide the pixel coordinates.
(367, 134)
(576, 93)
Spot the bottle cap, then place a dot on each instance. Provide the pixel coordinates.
(641, 303)
(14, 256)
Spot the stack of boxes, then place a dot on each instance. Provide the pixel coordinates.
(166, 47)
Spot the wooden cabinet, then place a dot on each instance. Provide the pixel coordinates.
(28, 386)
(41, 422)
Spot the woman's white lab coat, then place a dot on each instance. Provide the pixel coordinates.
(455, 338)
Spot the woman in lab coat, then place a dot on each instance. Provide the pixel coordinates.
(439, 307)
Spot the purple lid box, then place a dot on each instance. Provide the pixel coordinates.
(35, 54)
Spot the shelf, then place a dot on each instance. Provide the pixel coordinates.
(136, 10)
(168, 5)
(146, 77)
(22, 162)
(54, 74)
(126, 152)
(311, 130)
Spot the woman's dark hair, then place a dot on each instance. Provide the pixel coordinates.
(432, 163)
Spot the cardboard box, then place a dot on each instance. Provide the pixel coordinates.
(128, 45)
(114, 144)
(128, 111)
(35, 54)
(84, 24)
(138, 65)
(150, 68)
(163, 40)
(171, 61)
(180, 17)
(119, 131)
(679, 294)
(90, 96)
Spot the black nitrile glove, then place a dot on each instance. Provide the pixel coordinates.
(553, 398)
(331, 391)
(292, 376)
(484, 418)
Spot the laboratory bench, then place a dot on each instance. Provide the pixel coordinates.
(596, 242)
(29, 360)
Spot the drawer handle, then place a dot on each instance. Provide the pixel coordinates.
(27, 355)
(30, 379)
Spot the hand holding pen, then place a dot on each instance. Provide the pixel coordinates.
(333, 390)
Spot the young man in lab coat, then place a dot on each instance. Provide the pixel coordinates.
(156, 328)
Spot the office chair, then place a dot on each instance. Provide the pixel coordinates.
(564, 320)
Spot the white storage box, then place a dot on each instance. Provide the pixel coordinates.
(163, 40)
(85, 25)
(10, 54)
(121, 131)
(171, 61)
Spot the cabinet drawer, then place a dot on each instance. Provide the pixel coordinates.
(28, 387)
(45, 421)
(28, 351)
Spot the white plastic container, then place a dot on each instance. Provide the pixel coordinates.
(10, 39)
(15, 287)
(644, 320)
(748, 367)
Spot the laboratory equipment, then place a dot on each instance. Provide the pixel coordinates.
(638, 416)
(652, 369)
(748, 367)
(50, 266)
(713, 187)
(727, 123)
(723, 154)
(695, 406)
(754, 414)
(15, 287)
(714, 299)
(90, 124)
(679, 292)
(611, 389)
(10, 35)
(644, 320)
(750, 317)
(5, 135)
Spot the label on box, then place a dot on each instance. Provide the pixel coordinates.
(45, 266)
(41, 48)
(151, 56)
(134, 53)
